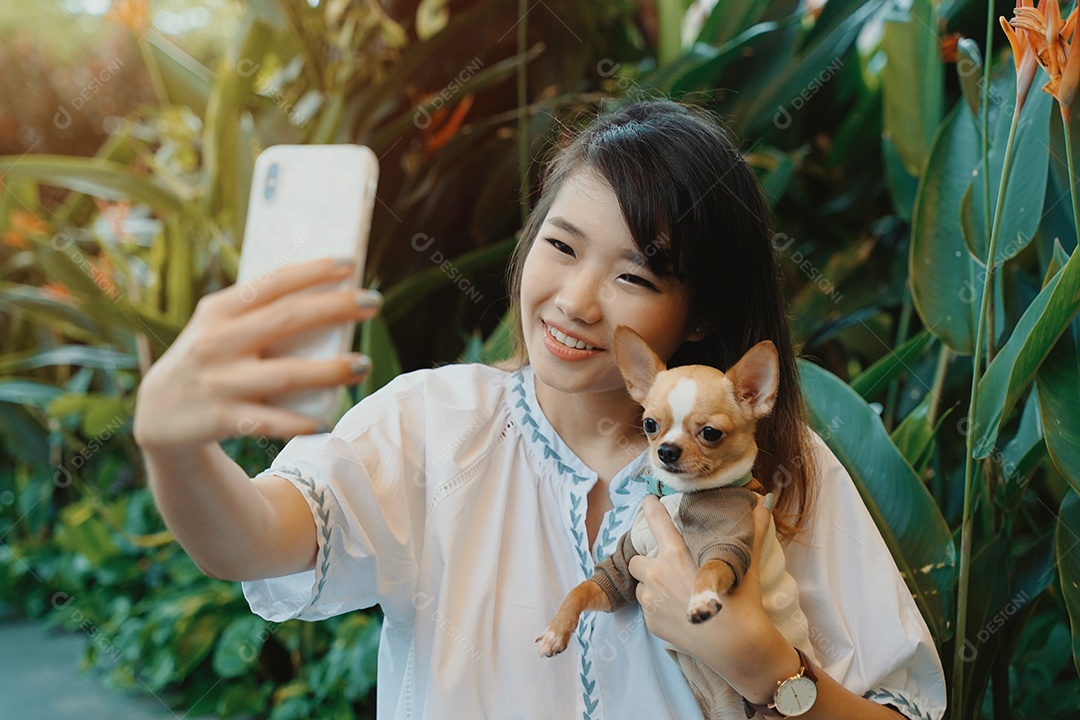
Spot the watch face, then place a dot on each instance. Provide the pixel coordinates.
(796, 696)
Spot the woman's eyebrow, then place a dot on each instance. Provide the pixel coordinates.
(564, 224)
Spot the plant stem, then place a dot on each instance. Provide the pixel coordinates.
(1065, 123)
(901, 335)
(939, 383)
(976, 371)
(523, 120)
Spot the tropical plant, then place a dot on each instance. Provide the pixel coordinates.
(925, 218)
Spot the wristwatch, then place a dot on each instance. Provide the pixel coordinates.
(794, 695)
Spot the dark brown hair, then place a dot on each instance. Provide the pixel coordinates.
(696, 211)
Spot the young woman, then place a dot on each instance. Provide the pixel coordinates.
(467, 500)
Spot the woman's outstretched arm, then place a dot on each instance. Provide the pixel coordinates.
(213, 383)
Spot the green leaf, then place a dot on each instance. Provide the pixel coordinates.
(988, 595)
(730, 18)
(93, 176)
(195, 639)
(239, 647)
(409, 292)
(902, 507)
(1068, 563)
(76, 355)
(222, 142)
(818, 61)
(1057, 382)
(377, 343)
(916, 437)
(1022, 455)
(1038, 330)
(912, 83)
(945, 286)
(969, 71)
(877, 377)
(186, 80)
(84, 533)
(104, 415)
(24, 392)
(1026, 190)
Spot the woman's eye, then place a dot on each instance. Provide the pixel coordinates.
(638, 280)
(651, 426)
(711, 434)
(561, 246)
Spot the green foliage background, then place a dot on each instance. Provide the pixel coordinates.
(123, 202)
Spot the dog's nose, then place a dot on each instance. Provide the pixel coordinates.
(668, 453)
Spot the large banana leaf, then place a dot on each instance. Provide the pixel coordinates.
(1038, 330)
(1067, 544)
(902, 507)
(1026, 190)
(945, 284)
(1057, 383)
(912, 82)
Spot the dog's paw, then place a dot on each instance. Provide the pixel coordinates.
(703, 605)
(551, 643)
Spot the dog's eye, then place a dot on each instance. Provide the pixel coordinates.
(711, 434)
(650, 426)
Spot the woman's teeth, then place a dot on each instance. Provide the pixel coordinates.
(568, 341)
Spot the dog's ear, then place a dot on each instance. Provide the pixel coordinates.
(637, 362)
(756, 378)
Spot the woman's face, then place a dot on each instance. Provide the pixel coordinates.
(583, 277)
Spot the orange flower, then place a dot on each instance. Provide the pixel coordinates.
(15, 240)
(58, 289)
(1051, 42)
(23, 221)
(132, 14)
(1025, 47)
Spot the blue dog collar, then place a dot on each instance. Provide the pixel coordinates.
(659, 488)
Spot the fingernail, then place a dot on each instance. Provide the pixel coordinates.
(360, 365)
(369, 299)
(344, 262)
(770, 500)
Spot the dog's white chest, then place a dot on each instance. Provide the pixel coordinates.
(640, 534)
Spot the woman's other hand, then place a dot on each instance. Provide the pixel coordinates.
(739, 642)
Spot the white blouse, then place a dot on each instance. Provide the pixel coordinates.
(449, 500)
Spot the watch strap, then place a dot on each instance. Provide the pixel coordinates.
(769, 709)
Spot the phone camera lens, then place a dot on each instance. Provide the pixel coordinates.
(271, 182)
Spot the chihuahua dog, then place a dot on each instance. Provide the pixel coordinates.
(700, 426)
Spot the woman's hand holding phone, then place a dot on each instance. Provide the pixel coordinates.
(213, 383)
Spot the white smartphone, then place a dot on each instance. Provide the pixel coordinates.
(310, 202)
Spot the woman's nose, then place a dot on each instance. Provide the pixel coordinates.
(579, 296)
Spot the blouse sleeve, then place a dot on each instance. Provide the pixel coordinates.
(363, 484)
(867, 632)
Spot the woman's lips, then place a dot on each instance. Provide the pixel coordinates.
(563, 352)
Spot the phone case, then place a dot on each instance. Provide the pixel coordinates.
(309, 202)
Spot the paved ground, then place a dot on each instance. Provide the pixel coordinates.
(40, 680)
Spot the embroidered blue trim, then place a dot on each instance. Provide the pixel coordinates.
(908, 708)
(583, 634)
(323, 514)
